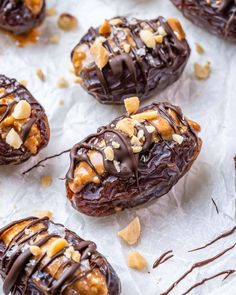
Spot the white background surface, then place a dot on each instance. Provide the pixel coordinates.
(179, 221)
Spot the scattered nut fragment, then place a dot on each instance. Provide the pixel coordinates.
(67, 22)
(13, 139)
(105, 28)
(61, 102)
(45, 213)
(56, 246)
(62, 83)
(136, 261)
(202, 72)
(148, 115)
(51, 11)
(109, 153)
(46, 181)
(115, 145)
(100, 54)
(35, 250)
(178, 138)
(127, 48)
(22, 110)
(76, 256)
(161, 31)
(71, 253)
(23, 82)
(199, 48)
(137, 149)
(132, 104)
(177, 28)
(150, 128)
(135, 140)
(79, 81)
(148, 38)
(131, 233)
(40, 74)
(126, 125)
(159, 39)
(115, 22)
(54, 39)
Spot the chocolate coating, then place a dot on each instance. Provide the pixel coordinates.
(18, 18)
(217, 17)
(143, 176)
(141, 72)
(9, 155)
(22, 276)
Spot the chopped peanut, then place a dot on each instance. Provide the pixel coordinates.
(127, 48)
(54, 39)
(13, 139)
(40, 74)
(56, 246)
(132, 104)
(199, 48)
(126, 125)
(51, 11)
(136, 261)
(202, 72)
(159, 39)
(178, 138)
(131, 233)
(150, 129)
(100, 54)
(148, 38)
(147, 115)
(105, 28)
(109, 153)
(67, 22)
(22, 110)
(62, 83)
(177, 28)
(46, 181)
(35, 250)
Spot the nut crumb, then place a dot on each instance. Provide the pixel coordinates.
(51, 11)
(202, 72)
(54, 39)
(127, 48)
(61, 102)
(40, 74)
(150, 128)
(126, 125)
(56, 246)
(131, 233)
(35, 250)
(23, 82)
(79, 81)
(46, 181)
(148, 38)
(178, 138)
(199, 48)
(159, 39)
(67, 22)
(115, 145)
(109, 153)
(136, 261)
(132, 104)
(62, 83)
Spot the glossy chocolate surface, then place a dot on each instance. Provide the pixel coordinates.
(218, 17)
(142, 176)
(8, 154)
(23, 273)
(17, 17)
(142, 71)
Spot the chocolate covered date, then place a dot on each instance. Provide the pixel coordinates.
(136, 158)
(21, 16)
(126, 57)
(24, 128)
(38, 256)
(216, 16)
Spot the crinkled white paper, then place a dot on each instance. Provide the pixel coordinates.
(183, 219)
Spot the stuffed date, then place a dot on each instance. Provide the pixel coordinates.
(126, 57)
(136, 158)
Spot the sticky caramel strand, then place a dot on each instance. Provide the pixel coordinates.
(14, 266)
(227, 273)
(79, 151)
(163, 258)
(167, 53)
(12, 87)
(224, 235)
(197, 265)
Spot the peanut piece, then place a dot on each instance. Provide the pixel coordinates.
(126, 125)
(150, 128)
(148, 38)
(40, 74)
(35, 250)
(136, 261)
(46, 181)
(51, 11)
(56, 246)
(202, 72)
(159, 39)
(13, 139)
(105, 28)
(62, 83)
(131, 233)
(22, 110)
(100, 54)
(109, 153)
(132, 104)
(199, 48)
(127, 48)
(178, 138)
(67, 22)
(177, 28)
(147, 115)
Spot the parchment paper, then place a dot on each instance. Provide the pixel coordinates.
(183, 219)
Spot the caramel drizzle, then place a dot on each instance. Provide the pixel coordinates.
(197, 265)
(18, 260)
(163, 258)
(167, 52)
(78, 153)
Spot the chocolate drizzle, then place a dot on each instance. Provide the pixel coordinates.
(17, 269)
(142, 71)
(17, 92)
(137, 175)
(163, 258)
(219, 18)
